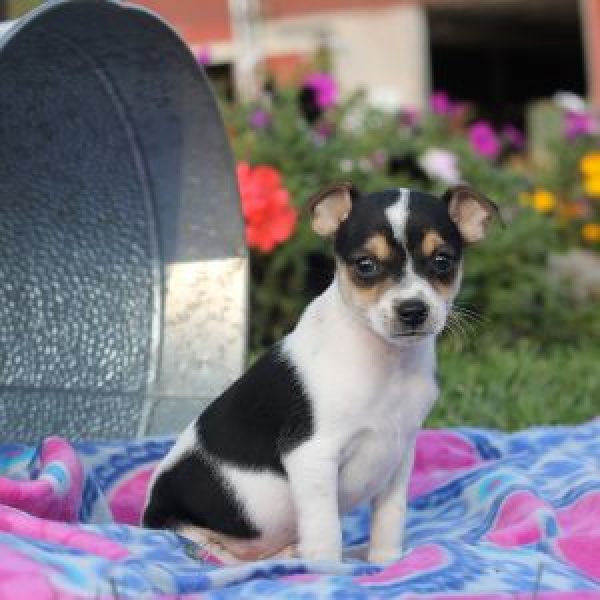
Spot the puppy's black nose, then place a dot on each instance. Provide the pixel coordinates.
(412, 312)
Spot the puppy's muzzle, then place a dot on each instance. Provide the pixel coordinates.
(412, 313)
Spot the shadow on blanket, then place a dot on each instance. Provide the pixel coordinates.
(491, 515)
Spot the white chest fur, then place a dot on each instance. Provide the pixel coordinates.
(369, 398)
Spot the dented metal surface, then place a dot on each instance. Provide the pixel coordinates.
(123, 269)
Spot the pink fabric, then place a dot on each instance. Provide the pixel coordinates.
(478, 499)
(127, 498)
(22, 579)
(440, 456)
(574, 530)
(420, 560)
(512, 596)
(56, 493)
(41, 508)
(19, 523)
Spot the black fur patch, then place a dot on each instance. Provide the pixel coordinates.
(191, 492)
(367, 218)
(261, 417)
(427, 213)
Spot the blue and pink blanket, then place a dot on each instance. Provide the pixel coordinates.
(492, 516)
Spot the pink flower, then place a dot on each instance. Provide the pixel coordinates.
(484, 140)
(323, 131)
(440, 164)
(259, 119)
(513, 136)
(440, 103)
(325, 88)
(379, 158)
(409, 117)
(578, 123)
(204, 56)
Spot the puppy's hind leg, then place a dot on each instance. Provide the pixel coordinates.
(211, 550)
(220, 548)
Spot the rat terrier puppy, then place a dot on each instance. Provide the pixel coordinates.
(328, 417)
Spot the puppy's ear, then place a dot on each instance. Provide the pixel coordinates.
(471, 211)
(330, 207)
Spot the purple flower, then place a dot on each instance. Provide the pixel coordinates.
(513, 136)
(325, 89)
(577, 124)
(440, 103)
(322, 132)
(260, 119)
(204, 56)
(409, 117)
(484, 140)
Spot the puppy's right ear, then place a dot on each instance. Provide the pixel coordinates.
(330, 207)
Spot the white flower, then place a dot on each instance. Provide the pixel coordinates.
(346, 165)
(441, 164)
(570, 102)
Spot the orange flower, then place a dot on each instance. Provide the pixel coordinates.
(270, 218)
(576, 209)
(590, 232)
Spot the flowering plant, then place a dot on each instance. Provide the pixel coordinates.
(324, 87)
(567, 182)
(299, 142)
(270, 219)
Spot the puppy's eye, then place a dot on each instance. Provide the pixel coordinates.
(367, 267)
(442, 263)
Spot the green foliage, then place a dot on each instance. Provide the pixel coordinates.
(17, 8)
(507, 280)
(510, 388)
(535, 358)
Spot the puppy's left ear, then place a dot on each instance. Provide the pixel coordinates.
(471, 211)
(329, 207)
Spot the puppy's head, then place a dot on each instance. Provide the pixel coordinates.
(399, 253)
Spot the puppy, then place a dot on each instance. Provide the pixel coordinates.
(327, 418)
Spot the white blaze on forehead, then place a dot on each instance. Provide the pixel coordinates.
(397, 215)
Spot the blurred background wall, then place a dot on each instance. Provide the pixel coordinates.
(499, 53)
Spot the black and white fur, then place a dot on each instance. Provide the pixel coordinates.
(327, 419)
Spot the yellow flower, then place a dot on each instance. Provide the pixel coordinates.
(590, 232)
(590, 164)
(543, 201)
(591, 185)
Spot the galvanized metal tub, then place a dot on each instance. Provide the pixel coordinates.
(123, 268)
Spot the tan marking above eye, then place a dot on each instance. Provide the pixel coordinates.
(360, 296)
(431, 242)
(378, 246)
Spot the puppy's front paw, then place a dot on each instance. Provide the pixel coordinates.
(322, 551)
(384, 555)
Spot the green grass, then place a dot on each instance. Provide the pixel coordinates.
(511, 387)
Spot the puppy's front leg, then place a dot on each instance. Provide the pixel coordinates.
(389, 512)
(313, 475)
